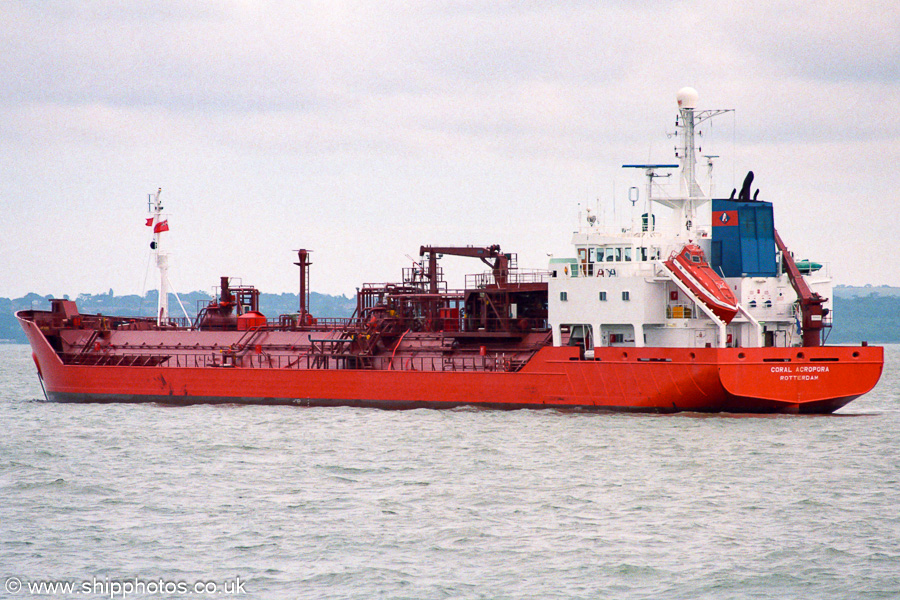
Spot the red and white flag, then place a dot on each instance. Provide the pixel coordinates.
(161, 226)
(149, 221)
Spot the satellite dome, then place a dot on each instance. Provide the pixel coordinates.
(687, 97)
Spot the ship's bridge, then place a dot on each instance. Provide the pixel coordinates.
(626, 255)
(630, 251)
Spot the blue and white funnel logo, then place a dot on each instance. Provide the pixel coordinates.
(725, 218)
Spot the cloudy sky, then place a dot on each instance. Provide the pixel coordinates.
(362, 130)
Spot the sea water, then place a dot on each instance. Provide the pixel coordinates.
(132, 501)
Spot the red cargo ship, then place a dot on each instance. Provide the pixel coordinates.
(613, 328)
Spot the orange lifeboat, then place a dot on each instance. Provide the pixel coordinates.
(690, 267)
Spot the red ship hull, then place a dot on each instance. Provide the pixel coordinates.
(663, 380)
(509, 338)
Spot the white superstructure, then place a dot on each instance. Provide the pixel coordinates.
(617, 291)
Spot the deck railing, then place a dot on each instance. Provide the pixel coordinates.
(307, 361)
(514, 278)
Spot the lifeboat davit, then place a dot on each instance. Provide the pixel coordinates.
(690, 267)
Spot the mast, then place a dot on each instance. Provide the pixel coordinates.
(162, 258)
(688, 119)
(687, 102)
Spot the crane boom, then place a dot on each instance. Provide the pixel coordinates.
(811, 310)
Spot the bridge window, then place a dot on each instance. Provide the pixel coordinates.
(626, 296)
(564, 296)
(602, 296)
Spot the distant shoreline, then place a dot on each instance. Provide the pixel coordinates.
(861, 313)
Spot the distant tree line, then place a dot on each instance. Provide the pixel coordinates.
(874, 318)
(271, 305)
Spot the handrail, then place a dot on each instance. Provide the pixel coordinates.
(305, 361)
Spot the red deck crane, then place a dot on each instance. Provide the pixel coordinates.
(811, 310)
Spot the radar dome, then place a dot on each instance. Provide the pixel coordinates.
(687, 97)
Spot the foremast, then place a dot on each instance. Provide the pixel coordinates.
(160, 225)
